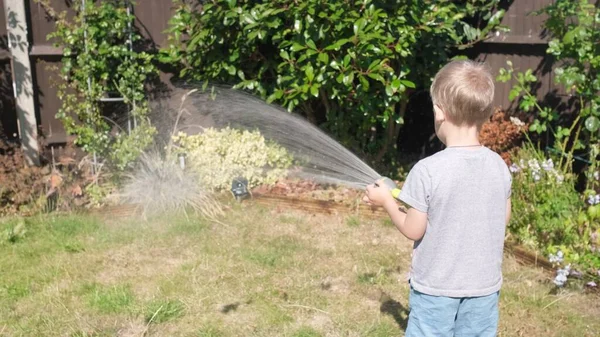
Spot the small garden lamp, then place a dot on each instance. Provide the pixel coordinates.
(239, 188)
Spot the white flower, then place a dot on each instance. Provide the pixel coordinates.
(561, 276)
(558, 258)
(591, 284)
(516, 121)
(597, 175)
(594, 199)
(560, 280)
(548, 165)
(534, 164)
(514, 168)
(536, 176)
(560, 178)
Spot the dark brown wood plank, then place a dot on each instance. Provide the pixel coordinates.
(47, 78)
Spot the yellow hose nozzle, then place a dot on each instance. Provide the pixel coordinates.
(391, 185)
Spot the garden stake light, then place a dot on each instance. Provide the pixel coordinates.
(239, 188)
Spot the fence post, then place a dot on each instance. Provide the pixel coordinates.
(22, 81)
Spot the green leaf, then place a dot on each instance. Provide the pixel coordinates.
(297, 47)
(337, 45)
(359, 25)
(374, 64)
(309, 71)
(364, 83)
(314, 90)
(569, 37)
(389, 91)
(271, 98)
(348, 79)
(408, 84)
(514, 93)
(376, 77)
(241, 75)
(346, 60)
(323, 58)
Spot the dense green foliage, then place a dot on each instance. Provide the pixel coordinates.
(350, 65)
(549, 213)
(97, 62)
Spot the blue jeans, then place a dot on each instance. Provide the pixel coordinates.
(448, 316)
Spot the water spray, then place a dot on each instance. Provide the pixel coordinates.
(320, 157)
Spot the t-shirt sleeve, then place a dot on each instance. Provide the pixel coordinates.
(416, 190)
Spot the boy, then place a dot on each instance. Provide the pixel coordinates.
(459, 202)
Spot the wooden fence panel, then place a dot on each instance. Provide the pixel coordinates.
(524, 45)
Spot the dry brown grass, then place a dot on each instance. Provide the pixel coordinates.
(265, 273)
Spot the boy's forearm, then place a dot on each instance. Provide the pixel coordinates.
(397, 216)
(411, 224)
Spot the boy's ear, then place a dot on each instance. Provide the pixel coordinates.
(440, 115)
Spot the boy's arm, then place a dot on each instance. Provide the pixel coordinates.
(411, 224)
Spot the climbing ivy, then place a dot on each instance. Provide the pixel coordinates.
(350, 65)
(97, 62)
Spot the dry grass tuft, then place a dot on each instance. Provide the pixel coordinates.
(160, 186)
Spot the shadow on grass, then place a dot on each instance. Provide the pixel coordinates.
(227, 308)
(391, 307)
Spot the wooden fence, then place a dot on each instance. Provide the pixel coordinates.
(524, 45)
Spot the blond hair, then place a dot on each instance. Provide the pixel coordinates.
(464, 90)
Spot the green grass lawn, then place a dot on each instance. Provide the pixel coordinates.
(262, 272)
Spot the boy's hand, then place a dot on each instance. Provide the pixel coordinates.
(377, 195)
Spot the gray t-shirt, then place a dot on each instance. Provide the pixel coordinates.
(464, 193)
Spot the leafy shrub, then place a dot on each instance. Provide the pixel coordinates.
(219, 156)
(65, 185)
(502, 134)
(545, 201)
(549, 214)
(22, 187)
(351, 64)
(99, 61)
